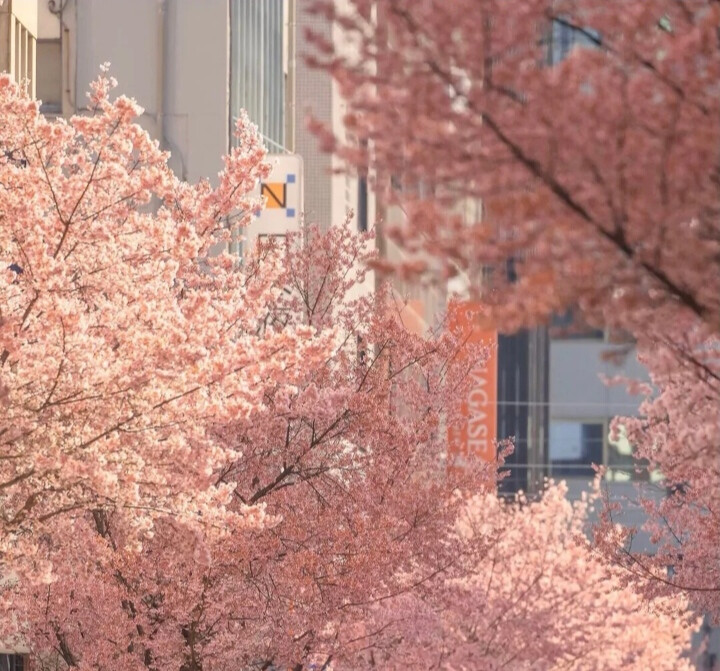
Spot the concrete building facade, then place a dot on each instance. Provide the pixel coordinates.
(193, 66)
(18, 41)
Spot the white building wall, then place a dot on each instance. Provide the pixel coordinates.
(170, 55)
(198, 101)
(577, 390)
(48, 23)
(329, 194)
(25, 11)
(314, 95)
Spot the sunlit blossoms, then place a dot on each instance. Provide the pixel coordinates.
(589, 133)
(211, 463)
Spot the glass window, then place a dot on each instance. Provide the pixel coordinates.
(11, 662)
(362, 195)
(362, 208)
(572, 325)
(622, 464)
(49, 75)
(257, 68)
(565, 37)
(575, 447)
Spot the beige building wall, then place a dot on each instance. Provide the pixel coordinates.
(328, 196)
(18, 35)
(313, 97)
(329, 192)
(171, 55)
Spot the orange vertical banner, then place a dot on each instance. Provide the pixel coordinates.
(474, 437)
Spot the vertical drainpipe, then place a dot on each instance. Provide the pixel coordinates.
(160, 92)
(290, 121)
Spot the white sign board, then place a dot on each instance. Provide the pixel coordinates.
(282, 192)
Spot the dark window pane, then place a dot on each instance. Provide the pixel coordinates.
(571, 325)
(575, 447)
(11, 662)
(362, 208)
(49, 75)
(565, 36)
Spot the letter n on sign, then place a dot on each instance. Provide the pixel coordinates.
(275, 195)
(475, 435)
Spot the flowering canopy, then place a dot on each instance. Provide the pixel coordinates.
(214, 465)
(589, 131)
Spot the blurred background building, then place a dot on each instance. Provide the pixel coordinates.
(18, 41)
(193, 66)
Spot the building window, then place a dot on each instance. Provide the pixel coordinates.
(49, 76)
(575, 447)
(257, 81)
(622, 466)
(565, 36)
(362, 194)
(12, 662)
(572, 325)
(362, 208)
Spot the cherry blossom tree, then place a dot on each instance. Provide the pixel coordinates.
(597, 169)
(597, 173)
(215, 465)
(528, 592)
(118, 350)
(205, 463)
(678, 431)
(344, 456)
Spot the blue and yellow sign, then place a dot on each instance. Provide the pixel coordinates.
(276, 194)
(282, 193)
